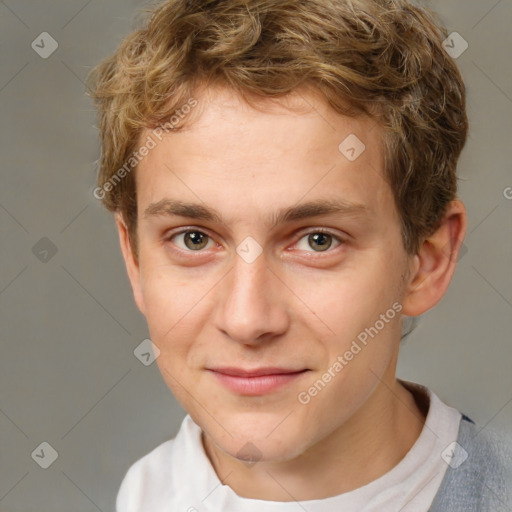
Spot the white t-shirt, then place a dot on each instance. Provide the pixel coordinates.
(177, 476)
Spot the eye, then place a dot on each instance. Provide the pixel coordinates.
(192, 240)
(319, 239)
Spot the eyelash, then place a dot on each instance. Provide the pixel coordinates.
(337, 238)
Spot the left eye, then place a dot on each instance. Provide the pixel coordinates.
(319, 240)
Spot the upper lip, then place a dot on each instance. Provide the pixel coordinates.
(255, 372)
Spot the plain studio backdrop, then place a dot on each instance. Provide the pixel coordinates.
(71, 387)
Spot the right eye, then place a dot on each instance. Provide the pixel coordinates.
(192, 240)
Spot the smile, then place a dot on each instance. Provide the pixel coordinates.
(257, 382)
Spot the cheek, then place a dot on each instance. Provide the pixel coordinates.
(177, 308)
(353, 296)
(361, 307)
(160, 301)
(166, 301)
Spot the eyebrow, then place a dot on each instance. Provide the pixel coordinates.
(171, 207)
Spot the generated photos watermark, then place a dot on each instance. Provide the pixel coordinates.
(150, 143)
(304, 397)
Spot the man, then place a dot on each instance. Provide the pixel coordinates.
(283, 180)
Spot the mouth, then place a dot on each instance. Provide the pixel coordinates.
(256, 372)
(256, 381)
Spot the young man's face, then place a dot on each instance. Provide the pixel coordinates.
(212, 300)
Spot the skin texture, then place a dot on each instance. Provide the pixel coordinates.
(295, 306)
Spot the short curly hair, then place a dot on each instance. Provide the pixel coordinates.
(380, 58)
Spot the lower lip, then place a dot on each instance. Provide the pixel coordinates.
(260, 385)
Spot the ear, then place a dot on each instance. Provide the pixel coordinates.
(132, 265)
(433, 266)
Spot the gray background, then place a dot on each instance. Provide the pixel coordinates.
(69, 326)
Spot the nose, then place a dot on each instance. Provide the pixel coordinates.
(253, 304)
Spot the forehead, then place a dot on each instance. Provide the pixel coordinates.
(239, 159)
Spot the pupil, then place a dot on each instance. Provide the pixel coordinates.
(195, 238)
(321, 238)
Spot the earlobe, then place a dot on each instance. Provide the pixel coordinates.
(131, 262)
(435, 262)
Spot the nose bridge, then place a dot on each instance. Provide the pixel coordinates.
(251, 305)
(249, 285)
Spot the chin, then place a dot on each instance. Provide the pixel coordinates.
(252, 452)
(264, 443)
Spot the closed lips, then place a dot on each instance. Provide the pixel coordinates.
(258, 372)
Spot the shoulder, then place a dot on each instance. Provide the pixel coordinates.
(160, 479)
(147, 476)
(479, 474)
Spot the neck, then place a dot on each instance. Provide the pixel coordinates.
(358, 452)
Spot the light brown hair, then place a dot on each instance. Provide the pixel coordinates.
(382, 58)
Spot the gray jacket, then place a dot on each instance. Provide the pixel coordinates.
(479, 477)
